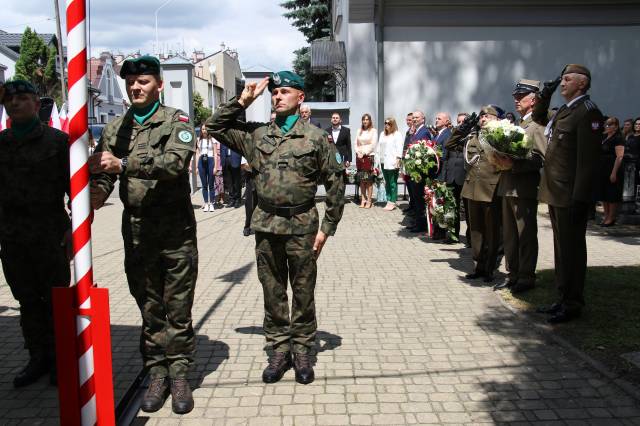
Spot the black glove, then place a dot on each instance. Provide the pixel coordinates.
(468, 124)
(548, 88)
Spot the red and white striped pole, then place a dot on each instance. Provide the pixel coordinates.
(80, 205)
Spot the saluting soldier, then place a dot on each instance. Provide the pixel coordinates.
(290, 157)
(35, 230)
(518, 188)
(574, 135)
(149, 149)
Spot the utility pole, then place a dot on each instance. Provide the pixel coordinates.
(63, 89)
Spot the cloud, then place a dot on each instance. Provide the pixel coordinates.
(255, 28)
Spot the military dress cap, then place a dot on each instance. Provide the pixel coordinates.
(144, 65)
(492, 110)
(285, 79)
(576, 69)
(524, 87)
(19, 86)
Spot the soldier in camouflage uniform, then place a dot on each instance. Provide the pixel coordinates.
(35, 231)
(149, 149)
(290, 158)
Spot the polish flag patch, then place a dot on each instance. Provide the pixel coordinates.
(183, 118)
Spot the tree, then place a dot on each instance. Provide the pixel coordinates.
(200, 111)
(37, 64)
(312, 18)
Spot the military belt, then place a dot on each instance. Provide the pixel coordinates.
(158, 210)
(285, 211)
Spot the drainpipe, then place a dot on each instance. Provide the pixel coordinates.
(380, 50)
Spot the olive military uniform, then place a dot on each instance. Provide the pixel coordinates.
(288, 168)
(567, 182)
(34, 177)
(518, 188)
(159, 231)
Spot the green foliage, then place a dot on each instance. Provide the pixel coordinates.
(200, 111)
(37, 64)
(312, 18)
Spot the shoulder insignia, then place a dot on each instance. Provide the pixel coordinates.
(185, 136)
(183, 118)
(338, 158)
(595, 125)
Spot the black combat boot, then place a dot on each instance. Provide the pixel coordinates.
(181, 397)
(279, 363)
(38, 366)
(304, 370)
(155, 396)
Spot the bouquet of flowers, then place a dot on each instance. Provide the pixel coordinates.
(441, 207)
(351, 174)
(421, 158)
(504, 138)
(379, 178)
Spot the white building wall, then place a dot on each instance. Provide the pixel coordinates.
(362, 72)
(456, 69)
(10, 64)
(260, 109)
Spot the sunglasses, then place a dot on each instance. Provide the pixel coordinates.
(386, 123)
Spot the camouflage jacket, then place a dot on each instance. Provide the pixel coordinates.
(159, 152)
(288, 169)
(34, 177)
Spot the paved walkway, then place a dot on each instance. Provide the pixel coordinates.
(403, 338)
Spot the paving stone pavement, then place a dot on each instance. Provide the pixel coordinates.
(403, 338)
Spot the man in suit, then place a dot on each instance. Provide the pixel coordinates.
(518, 187)
(232, 175)
(416, 189)
(407, 141)
(454, 174)
(305, 115)
(443, 132)
(341, 136)
(574, 135)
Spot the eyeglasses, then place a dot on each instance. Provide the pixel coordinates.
(610, 125)
(386, 123)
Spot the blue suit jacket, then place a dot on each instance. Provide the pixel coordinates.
(422, 133)
(227, 154)
(440, 140)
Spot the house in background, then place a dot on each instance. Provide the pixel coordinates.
(8, 59)
(217, 77)
(107, 101)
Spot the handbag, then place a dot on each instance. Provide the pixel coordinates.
(364, 163)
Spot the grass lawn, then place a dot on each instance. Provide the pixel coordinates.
(610, 323)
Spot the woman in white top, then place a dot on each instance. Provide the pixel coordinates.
(206, 160)
(365, 152)
(389, 154)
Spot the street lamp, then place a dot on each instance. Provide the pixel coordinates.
(212, 72)
(156, 13)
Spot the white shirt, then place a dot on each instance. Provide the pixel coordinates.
(206, 147)
(334, 133)
(390, 149)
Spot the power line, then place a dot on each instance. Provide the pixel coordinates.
(30, 23)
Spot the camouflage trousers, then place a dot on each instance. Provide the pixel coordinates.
(281, 258)
(31, 270)
(161, 263)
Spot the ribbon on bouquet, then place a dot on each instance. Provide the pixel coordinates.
(430, 198)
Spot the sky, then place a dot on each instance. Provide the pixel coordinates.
(255, 28)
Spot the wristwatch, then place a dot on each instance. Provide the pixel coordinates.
(124, 162)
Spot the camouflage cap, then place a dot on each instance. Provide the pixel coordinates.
(19, 86)
(285, 79)
(524, 87)
(577, 69)
(144, 65)
(492, 110)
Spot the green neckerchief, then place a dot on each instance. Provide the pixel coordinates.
(286, 123)
(142, 114)
(20, 130)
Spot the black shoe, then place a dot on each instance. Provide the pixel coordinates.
(37, 367)
(488, 278)
(156, 394)
(474, 275)
(181, 396)
(417, 229)
(246, 232)
(563, 316)
(549, 309)
(505, 284)
(522, 286)
(303, 368)
(607, 225)
(237, 204)
(279, 363)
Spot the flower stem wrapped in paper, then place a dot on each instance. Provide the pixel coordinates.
(422, 160)
(502, 138)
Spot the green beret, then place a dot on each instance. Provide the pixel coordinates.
(19, 86)
(144, 65)
(492, 110)
(524, 87)
(577, 69)
(285, 79)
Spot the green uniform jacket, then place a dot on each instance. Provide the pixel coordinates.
(34, 177)
(523, 178)
(482, 176)
(159, 153)
(572, 155)
(288, 169)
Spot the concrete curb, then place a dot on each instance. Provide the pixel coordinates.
(627, 387)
